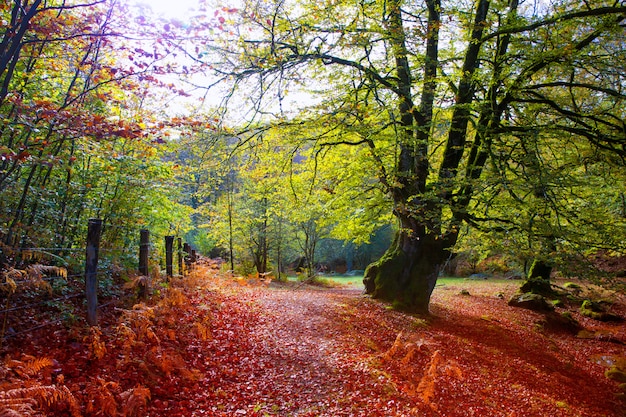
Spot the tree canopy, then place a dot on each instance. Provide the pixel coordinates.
(493, 121)
(482, 114)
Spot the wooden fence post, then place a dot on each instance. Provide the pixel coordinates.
(180, 257)
(169, 256)
(144, 250)
(94, 229)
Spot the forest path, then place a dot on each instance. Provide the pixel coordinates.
(308, 357)
(310, 351)
(223, 346)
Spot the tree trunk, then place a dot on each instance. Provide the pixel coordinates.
(538, 280)
(407, 273)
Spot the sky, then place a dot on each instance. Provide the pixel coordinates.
(175, 9)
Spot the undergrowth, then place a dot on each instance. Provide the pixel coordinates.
(142, 350)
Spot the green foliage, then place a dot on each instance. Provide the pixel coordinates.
(520, 150)
(76, 139)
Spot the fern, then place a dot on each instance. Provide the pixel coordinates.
(8, 286)
(38, 271)
(428, 384)
(15, 274)
(29, 366)
(426, 387)
(23, 401)
(103, 400)
(135, 400)
(96, 346)
(140, 281)
(19, 407)
(140, 320)
(175, 298)
(127, 337)
(393, 350)
(202, 329)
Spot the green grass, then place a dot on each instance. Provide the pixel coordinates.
(442, 282)
(345, 280)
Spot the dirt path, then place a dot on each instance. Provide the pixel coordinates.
(306, 362)
(319, 352)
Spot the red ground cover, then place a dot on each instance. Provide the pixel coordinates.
(215, 346)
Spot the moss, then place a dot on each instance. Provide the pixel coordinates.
(616, 374)
(537, 286)
(530, 301)
(539, 270)
(558, 303)
(572, 286)
(591, 310)
(563, 322)
(403, 282)
(594, 310)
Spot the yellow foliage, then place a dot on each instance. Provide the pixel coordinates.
(9, 286)
(96, 346)
(29, 255)
(37, 271)
(33, 275)
(15, 274)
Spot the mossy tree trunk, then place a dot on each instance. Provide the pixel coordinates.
(407, 273)
(538, 280)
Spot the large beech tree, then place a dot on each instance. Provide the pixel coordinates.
(433, 89)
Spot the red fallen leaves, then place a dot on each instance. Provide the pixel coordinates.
(217, 347)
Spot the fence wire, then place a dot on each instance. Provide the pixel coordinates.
(52, 251)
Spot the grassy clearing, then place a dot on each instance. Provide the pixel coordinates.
(443, 283)
(355, 281)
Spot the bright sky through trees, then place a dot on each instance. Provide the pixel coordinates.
(178, 9)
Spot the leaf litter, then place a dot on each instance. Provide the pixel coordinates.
(214, 346)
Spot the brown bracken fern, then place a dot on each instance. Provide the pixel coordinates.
(26, 396)
(26, 401)
(134, 400)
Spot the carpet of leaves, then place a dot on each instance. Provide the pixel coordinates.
(216, 346)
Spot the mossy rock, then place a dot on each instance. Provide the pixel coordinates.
(531, 301)
(616, 374)
(594, 310)
(572, 286)
(558, 303)
(538, 286)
